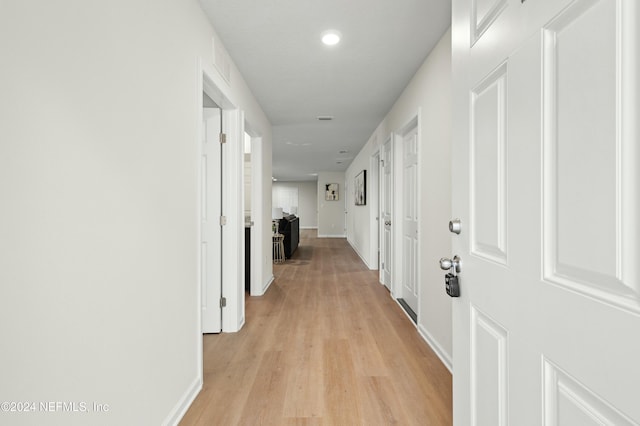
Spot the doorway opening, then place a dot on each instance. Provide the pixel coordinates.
(247, 208)
(254, 211)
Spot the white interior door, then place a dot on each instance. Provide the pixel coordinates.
(211, 238)
(546, 183)
(410, 218)
(373, 197)
(386, 207)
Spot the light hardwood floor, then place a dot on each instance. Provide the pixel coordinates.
(326, 345)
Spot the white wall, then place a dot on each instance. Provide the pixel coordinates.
(360, 219)
(428, 96)
(98, 225)
(307, 201)
(331, 222)
(308, 204)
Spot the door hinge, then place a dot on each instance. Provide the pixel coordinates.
(382, 265)
(223, 138)
(223, 220)
(382, 161)
(223, 302)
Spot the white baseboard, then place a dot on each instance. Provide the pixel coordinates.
(308, 227)
(241, 324)
(427, 337)
(332, 236)
(442, 354)
(359, 254)
(184, 403)
(266, 287)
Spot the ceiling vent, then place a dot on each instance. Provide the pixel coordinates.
(325, 117)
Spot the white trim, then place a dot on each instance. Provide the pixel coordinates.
(308, 227)
(198, 307)
(241, 321)
(418, 190)
(436, 347)
(444, 357)
(213, 85)
(360, 255)
(332, 236)
(184, 403)
(266, 287)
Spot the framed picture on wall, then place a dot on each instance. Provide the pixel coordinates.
(361, 188)
(331, 192)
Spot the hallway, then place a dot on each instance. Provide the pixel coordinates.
(326, 345)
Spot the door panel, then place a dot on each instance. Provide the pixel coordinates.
(211, 254)
(583, 200)
(488, 370)
(483, 14)
(488, 165)
(545, 174)
(567, 402)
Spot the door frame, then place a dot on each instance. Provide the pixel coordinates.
(210, 82)
(398, 213)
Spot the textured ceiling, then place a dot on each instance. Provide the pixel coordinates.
(295, 78)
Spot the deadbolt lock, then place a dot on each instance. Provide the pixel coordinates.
(455, 226)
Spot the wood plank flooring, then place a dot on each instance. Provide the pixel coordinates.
(326, 345)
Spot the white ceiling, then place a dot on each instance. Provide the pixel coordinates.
(295, 78)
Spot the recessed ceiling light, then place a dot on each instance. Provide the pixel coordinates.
(344, 151)
(331, 37)
(325, 117)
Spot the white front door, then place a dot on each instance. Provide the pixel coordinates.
(410, 218)
(386, 205)
(546, 182)
(211, 235)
